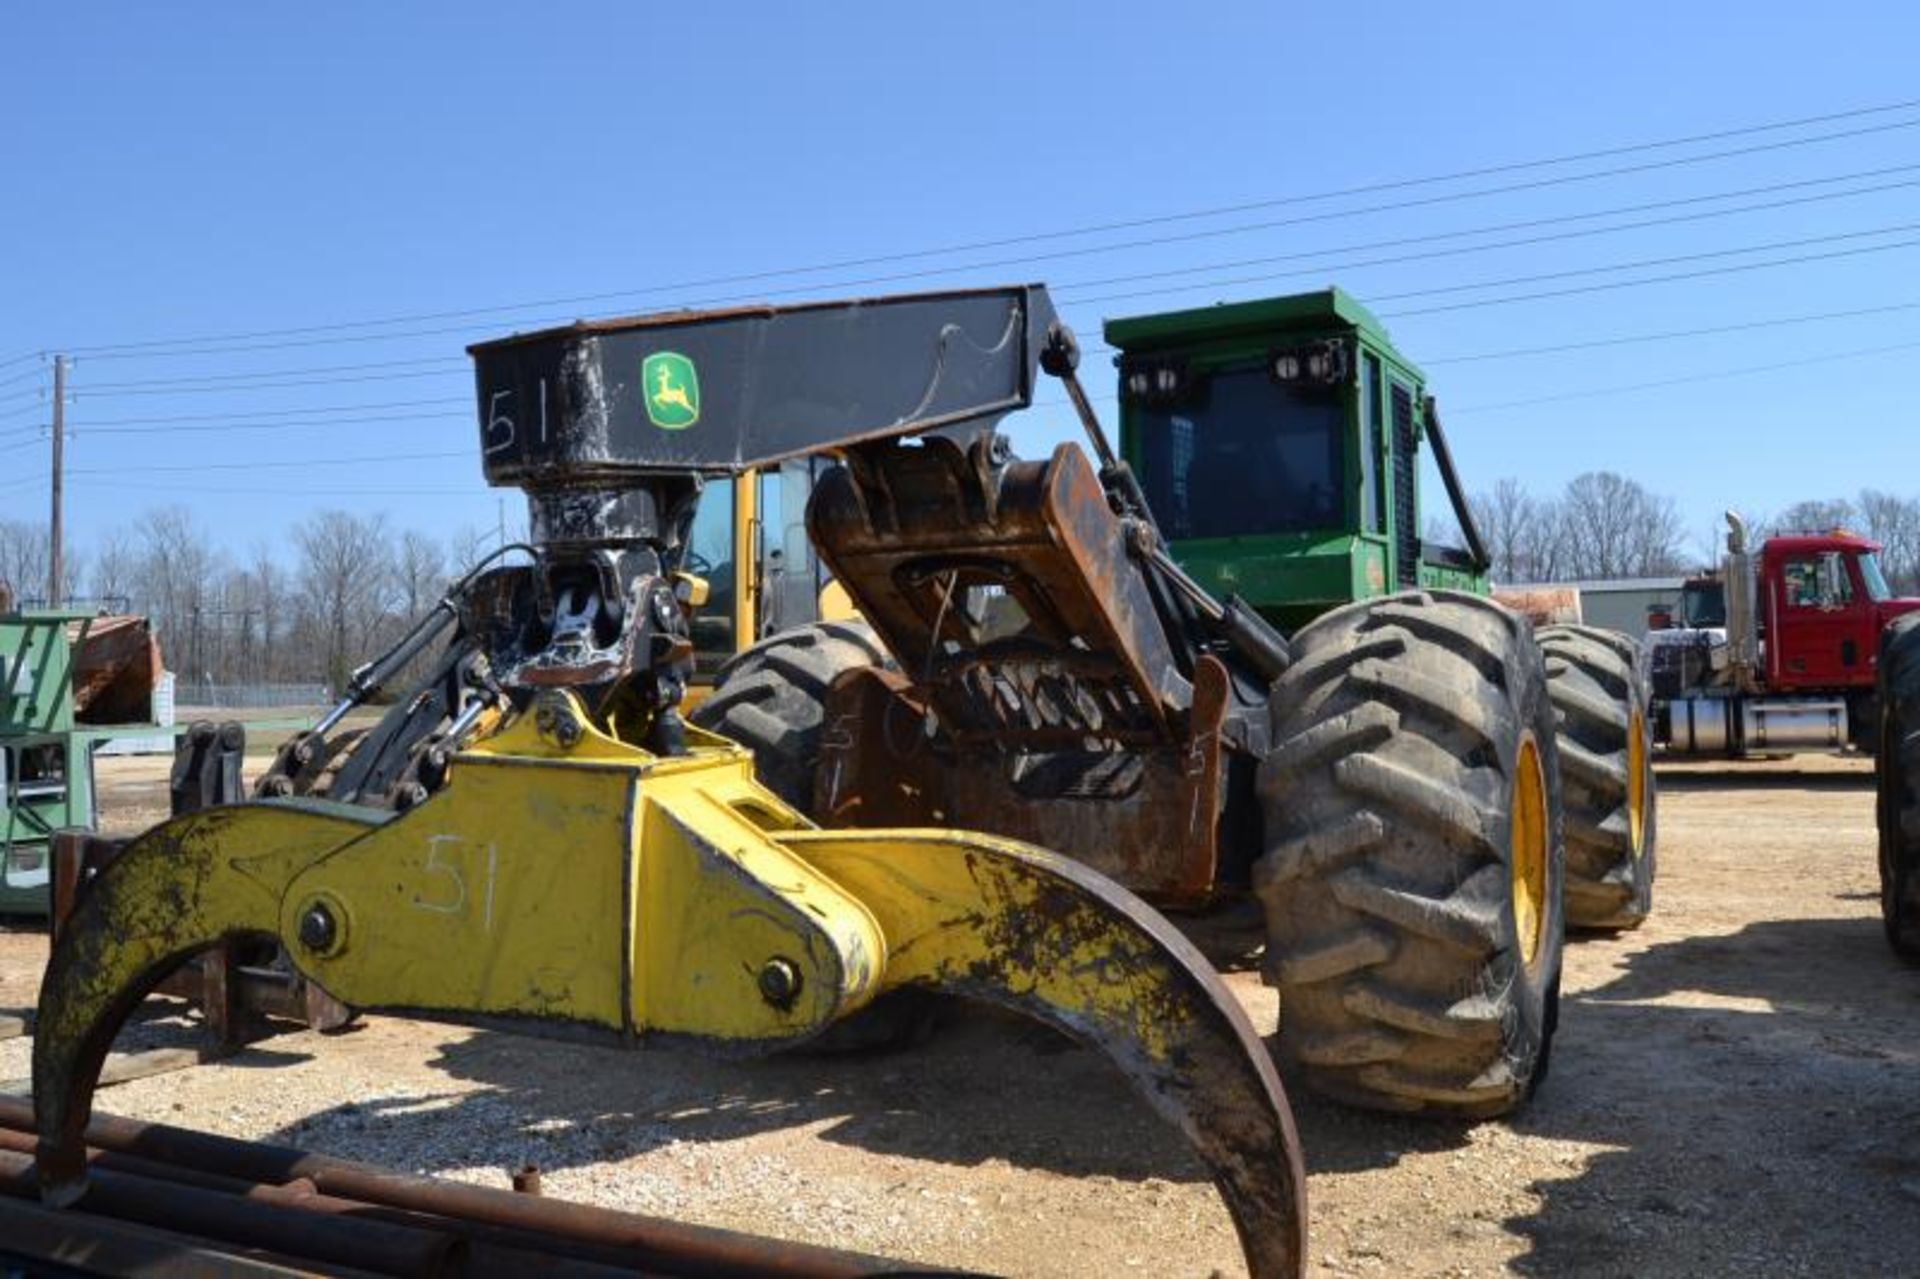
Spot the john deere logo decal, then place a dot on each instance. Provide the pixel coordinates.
(672, 388)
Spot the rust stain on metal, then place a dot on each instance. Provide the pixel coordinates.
(1025, 632)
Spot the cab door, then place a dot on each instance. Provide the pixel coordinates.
(1823, 611)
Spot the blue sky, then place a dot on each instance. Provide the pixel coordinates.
(224, 171)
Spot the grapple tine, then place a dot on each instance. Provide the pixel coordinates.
(173, 893)
(1043, 936)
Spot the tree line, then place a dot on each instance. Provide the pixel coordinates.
(350, 584)
(347, 584)
(1605, 525)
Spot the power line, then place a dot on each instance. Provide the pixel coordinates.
(1597, 392)
(96, 393)
(1656, 279)
(283, 378)
(1669, 334)
(248, 380)
(330, 408)
(191, 383)
(444, 455)
(244, 344)
(1492, 247)
(259, 380)
(1501, 283)
(135, 349)
(1621, 340)
(291, 492)
(203, 422)
(337, 340)
(1337, 215)
(272, 462)
(12, 360)
(21, 377)
(1714, 376)
(1669, 260)
(231, 428)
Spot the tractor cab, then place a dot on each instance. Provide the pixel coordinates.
(1278, 445)
(748, 542)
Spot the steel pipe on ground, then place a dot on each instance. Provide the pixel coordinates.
(334, 1216)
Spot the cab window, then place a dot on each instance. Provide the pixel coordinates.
(710, 555)
(1874, 579)
(791, 575)
(1239, 456)
(1818, 581)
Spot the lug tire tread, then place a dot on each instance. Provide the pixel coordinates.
(772, 698)
(1897, 770)
(1597, 684)
(1386, 878)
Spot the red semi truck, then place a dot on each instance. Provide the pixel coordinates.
(1775, 653)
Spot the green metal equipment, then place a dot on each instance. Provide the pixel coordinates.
(47, 746)
(1278, 443)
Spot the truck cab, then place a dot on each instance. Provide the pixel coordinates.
(1823, 603)
(1776, 651)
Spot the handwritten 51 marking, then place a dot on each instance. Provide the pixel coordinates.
(446, 871)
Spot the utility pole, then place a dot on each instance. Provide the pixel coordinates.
(54, 576)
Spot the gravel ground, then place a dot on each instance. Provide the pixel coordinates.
(1735, 1091)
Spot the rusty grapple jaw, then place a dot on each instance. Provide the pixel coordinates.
(566, 877)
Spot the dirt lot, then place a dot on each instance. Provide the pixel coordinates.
(1735, 1091)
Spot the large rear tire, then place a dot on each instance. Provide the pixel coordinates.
(1897, 770)
(772, 699)
(1606, 766)
(1413, 865)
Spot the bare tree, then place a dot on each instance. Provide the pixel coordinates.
(1512, 525)
(1815, 516)
(74, 564)
(346, 585)
(116, 569)
(177, 571)
(1615, 528)
(467, 545)
(422, 572)
(269, 588)
(1894, 522)
(24, 548)
(1443, 530)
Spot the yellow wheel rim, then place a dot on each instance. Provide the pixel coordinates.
(1637, 783)
(1529, 860)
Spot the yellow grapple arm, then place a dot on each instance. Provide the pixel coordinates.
(564, 876)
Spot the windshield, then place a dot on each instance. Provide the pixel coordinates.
(1241, 455)
(1877, 588)
(1704, 604)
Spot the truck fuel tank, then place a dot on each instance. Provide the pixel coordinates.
(1749, 726)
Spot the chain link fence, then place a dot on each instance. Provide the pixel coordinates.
(195, 696)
